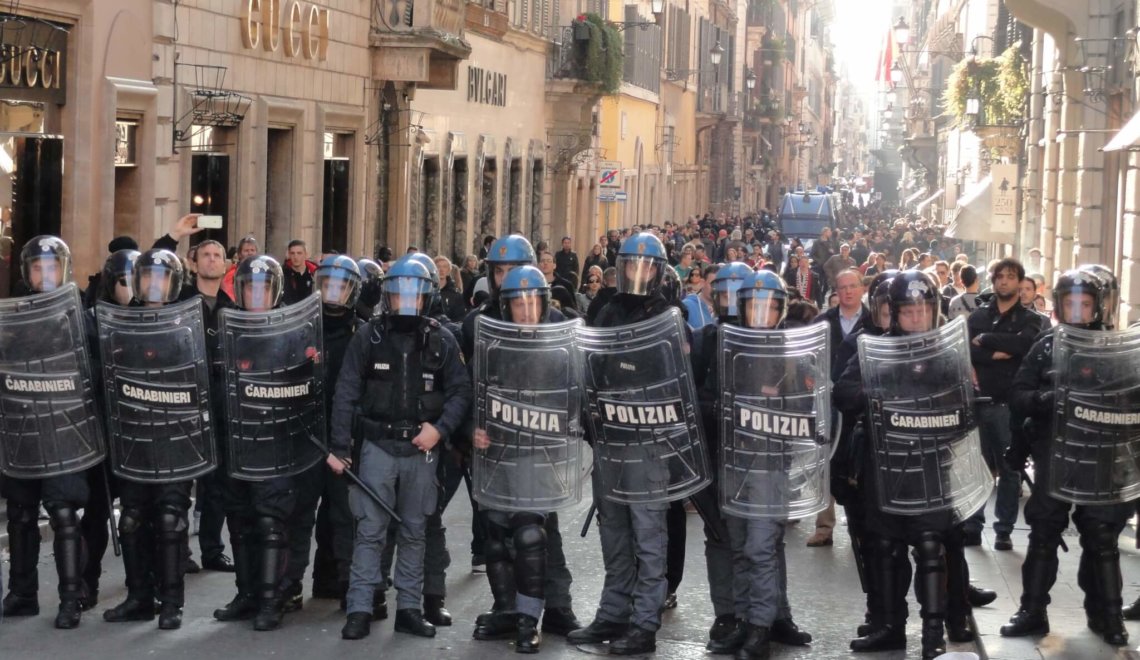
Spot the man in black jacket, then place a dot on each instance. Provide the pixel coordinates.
(566, 263)
(1001, 334)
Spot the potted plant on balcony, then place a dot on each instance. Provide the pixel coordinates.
(600, 54)
(987, 95)
(581, 28)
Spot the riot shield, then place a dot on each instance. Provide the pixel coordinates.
(924, 434)
(775, 417)
(49, 420)
(642, 405)
(275, 402)
(528, 397)
(157, 391)
(1094, 454)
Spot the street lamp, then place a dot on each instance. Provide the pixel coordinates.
(750, 80)
(896, 73)
(902, 31)
(657, 7)
(973, 107)
(715, 53)
(889, 112)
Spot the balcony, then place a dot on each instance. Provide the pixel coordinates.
(418, 41)
(589, 52)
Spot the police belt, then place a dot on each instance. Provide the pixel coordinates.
(376, 431)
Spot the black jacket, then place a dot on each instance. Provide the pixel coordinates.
(1012, 333)
(566, 265)
(831, 317)
(451, 302)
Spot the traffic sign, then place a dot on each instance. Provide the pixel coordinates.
(609, 174)
(606, 197)
(621, 196)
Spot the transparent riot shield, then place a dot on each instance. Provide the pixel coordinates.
(775, 416)
(528, 397)
(49, 420)
(275, 404)
(642, 407)
(924, 435)
(1094, 454)
(157, 392)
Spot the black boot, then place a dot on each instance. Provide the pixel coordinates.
(933, 642)
(24, 553)
(244, 604)
(357, 626)
(274, 551)
(979, 597)
(786, 632)
(1038, 573)
(528, 640)
(559, 621)
(17, 605)
(379, 605)
(756, 646)
(136, 543)
(726, 635)
(1132, 612)
(292, 599)
(889, 622)
(435, 612)
(502, 621)
(1106, 583)
(68, 546)
(958, 630)
(170, 617)
(597, 632)
(635, 641)
(413, 622)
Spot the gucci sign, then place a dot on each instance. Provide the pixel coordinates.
(300, 31)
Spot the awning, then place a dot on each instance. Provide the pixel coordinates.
(1127, 138)
(925, 204)
(914, 197)
(973, 220)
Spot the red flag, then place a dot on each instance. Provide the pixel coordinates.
(886, 58)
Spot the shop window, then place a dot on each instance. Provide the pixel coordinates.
(457, 218)
(429, 208)
(336, 200)
(488, 210)
(514, 194)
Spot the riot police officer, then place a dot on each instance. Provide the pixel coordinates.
(337, 280)
(115, 286)
(516, 540)
(371, 275)
(914, 308)
(402, 388)
(154, 523)
(45, 264)
(256, 511)
(1079, 300)
(763, 613)
(505, 254)
(634, 537)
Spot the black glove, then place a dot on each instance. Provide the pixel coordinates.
(1045, 401)
(1017, 454)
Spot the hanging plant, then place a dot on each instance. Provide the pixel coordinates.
(1000, 85)
(601, 53)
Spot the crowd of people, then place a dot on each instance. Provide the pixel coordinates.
(399, 351)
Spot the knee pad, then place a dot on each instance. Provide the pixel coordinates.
(884, 548)
(19, 514)
(495, 551)
(1099, 536)
(62, 517)
(271, 531)
(928, 552)
(130, 521)
(172, 522)
(529, 538)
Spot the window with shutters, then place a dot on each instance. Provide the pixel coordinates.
(680, 41)
(642, 49)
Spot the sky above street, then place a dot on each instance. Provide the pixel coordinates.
(857, 32)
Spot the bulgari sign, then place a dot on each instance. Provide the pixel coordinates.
(298, 29)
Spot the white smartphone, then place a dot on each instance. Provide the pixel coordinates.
(210, 221)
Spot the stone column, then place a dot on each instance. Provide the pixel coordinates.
(1050, 195)
(1130, 249)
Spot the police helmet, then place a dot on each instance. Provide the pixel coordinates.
(262, 274)
(38, 274)
(913, 287)
(641, 264)
(337, 279)
(671, 286)
(524, 283)
(754, 298)
(428, 263)
(158, 277)
(512, 250)
(118, 270)
(1111, 292)
(1072, 311)
(728, 280)
(878, 279)
(880, 297)
(371, 275)
(407, 288)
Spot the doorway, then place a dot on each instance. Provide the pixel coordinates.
(31, 197)
(278, 191)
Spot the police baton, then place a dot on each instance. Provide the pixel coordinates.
(1033, 489)
(589, 519)
(354, 478)
(115, 545)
